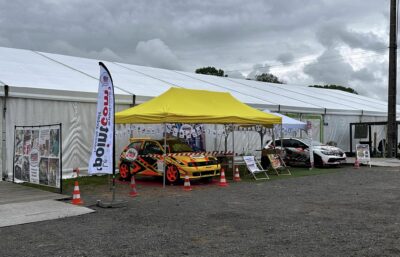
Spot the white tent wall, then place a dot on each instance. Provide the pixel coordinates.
(77, 118)
(78, 122)
(379, 130)
(338, 129)
(246, 142)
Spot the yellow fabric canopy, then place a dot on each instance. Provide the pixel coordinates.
(178, 105)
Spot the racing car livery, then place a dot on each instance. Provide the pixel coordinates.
(145, 157)
(297, 152)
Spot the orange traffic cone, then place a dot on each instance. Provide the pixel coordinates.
(133, 191)
(236, 178)
(186, 185)
(76, 196)
(356, 164)
(222, 181)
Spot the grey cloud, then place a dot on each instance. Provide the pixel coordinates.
(364, 74)
(285, 58)
(377, 87)
(369, 81)
(332, 35)
(193, 34)
(60, 46)
(257, 70)
(235, 74)
(324, 72)
(156, 53)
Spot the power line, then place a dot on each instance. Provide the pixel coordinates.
(324, 60)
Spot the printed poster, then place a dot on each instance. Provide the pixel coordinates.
(37, 155)
(362, 153)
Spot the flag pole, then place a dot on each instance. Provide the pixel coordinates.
(114, 203)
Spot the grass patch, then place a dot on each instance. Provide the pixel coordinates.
(295, 171)
(90, 182)
(68, 184)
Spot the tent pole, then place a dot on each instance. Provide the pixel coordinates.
(262, 138)
(273, 136)
(165, 152)
(311, 150)
(233, 150)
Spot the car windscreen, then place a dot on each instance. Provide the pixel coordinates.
(179, 147)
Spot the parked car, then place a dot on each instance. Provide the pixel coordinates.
(296, 151)
(143, 156)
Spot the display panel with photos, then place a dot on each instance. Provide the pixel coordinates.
(37, 155)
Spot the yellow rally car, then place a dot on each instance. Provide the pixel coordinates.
(144, 156)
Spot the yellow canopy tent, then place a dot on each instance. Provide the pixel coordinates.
(179, 105)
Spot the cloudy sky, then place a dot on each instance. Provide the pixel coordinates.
(301, 41)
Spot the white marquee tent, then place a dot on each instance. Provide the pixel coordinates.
(42, 88)
(289, 123)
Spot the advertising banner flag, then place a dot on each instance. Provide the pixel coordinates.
(102, 155)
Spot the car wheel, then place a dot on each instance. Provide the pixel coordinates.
(124, 171)
(172, 174)
(318, 161)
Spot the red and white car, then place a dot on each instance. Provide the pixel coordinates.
(297, 152)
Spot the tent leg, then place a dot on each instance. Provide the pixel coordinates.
(309, 131)
(233, 151)
(165, 152)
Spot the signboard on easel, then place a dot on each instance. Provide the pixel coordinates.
(363, 154)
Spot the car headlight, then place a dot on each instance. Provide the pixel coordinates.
(326, 152)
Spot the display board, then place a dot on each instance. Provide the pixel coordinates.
(192, 134)
(363, 154)
(360, 131)
(275, 161)
(37, 155)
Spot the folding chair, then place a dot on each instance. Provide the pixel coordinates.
(278, 165)
(254, 167)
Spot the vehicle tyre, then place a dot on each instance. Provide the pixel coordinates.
(172, 175)
(318, 161)
(125, 171)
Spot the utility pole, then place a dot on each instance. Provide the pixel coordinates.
(392, 90)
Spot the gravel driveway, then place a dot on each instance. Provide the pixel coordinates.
(346, 213)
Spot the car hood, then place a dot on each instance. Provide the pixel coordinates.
(327, 148)
(192, 158)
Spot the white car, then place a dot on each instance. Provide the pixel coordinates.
(297, 152)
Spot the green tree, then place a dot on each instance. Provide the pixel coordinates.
(336, 87)
(268, 77)
(211, 71)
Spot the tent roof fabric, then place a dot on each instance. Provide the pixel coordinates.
(38, 70)
(179, 105)
(289, 123)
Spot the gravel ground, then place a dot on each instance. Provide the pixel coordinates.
(346, 213)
